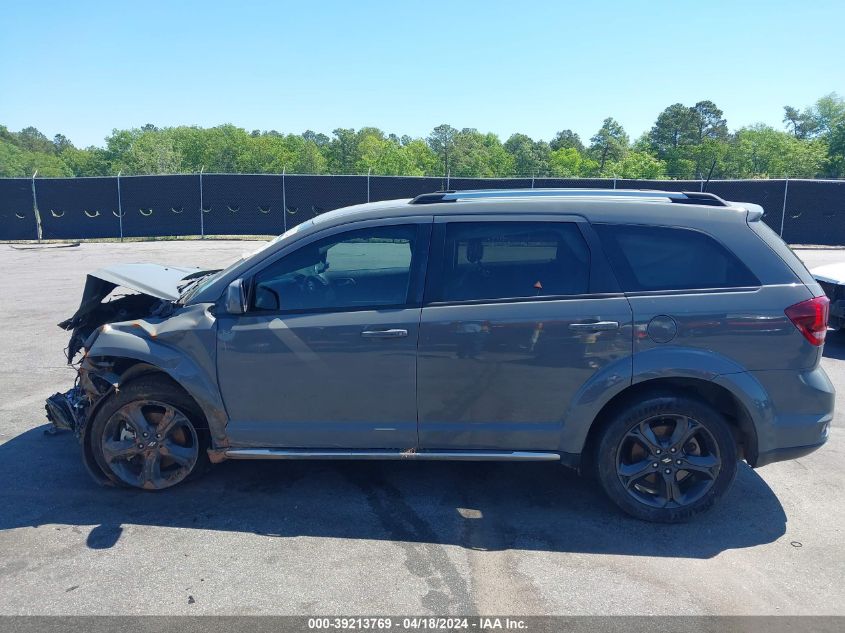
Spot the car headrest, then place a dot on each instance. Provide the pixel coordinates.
(475, 251)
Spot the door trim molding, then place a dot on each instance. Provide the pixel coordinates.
(413, 455)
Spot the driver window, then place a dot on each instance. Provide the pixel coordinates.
(360, 269)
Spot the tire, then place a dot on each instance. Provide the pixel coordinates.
(174, 448)
(666, 458)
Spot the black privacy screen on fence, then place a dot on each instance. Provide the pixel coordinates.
(17, 216)
(234, 204)
(76, 208)
(158, 206)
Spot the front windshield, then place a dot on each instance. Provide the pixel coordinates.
(206, 281)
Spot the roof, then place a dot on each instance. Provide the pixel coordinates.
(610, 205)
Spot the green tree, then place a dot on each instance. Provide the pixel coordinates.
(263, 154)
(836, 151)
(566, 139)
(568, 162)
(32, 140)
(421, 156)
(341, 151)
(610, 143)
(384, 157)
(153, 153)
(675, 126)
(61, 143)
(17, 162)
(320, 140)
(307, 157)
(638, 165)
(687, 139)
(709, 122)
(530, 157)
(825, 114)
(474, 154)
(12, 161)
(794, 118)
(91, 161)
(760, 151)
(440, 141)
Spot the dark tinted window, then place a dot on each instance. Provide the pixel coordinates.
(664, 258)
(364, 268)
(498, 260)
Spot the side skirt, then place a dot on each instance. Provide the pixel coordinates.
(471, 456)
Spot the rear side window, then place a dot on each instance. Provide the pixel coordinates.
(667, 258)
(501, 260)
(783, 251)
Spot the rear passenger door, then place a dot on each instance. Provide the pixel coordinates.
(520, 314)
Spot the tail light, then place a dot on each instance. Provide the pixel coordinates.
(810, 317)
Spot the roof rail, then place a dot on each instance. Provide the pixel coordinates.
(681, 197)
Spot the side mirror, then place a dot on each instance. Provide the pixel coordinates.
(235, 297)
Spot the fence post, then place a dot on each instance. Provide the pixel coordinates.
(120, 206)
(533, 174)
(701, 186)
(284, 204)
(614, 182)
(369, 171)
(448, 173)
(202, 213)
(35, 209)
(783, 214)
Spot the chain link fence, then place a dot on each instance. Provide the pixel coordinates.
(205, 205)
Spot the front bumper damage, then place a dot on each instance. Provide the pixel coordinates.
(73, 410)
(66, 411)
(70, 411)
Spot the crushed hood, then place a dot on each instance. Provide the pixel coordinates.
(158, 287)
(161, 282)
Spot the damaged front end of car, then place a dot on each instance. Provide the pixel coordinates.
(157, 289)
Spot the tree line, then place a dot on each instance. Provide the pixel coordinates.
(685, 142)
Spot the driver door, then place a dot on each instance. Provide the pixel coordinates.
(325, 356)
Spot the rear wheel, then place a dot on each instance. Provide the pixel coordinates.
(149, 435)
(666, 458)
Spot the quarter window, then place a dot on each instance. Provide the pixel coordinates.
(501, 260)
(354, 270)
(669, 258)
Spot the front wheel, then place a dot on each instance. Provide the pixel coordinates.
(666, 458)
(149, 435)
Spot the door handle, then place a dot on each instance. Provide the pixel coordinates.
(596, 326)
(394, 333)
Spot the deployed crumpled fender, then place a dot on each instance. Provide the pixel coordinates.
(183, 346)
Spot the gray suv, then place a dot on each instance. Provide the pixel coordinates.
(650, 338)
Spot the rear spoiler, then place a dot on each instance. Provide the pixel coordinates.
(755, 211)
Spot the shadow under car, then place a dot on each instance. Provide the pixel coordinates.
(480, 506)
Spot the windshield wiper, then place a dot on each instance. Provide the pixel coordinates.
(192, 280)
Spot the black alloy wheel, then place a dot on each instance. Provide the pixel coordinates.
(666, 457)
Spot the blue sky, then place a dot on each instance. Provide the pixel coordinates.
(82, 68)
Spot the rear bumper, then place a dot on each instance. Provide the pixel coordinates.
(800, 414)
(783, 454)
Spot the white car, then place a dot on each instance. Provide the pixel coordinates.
(831, 278)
